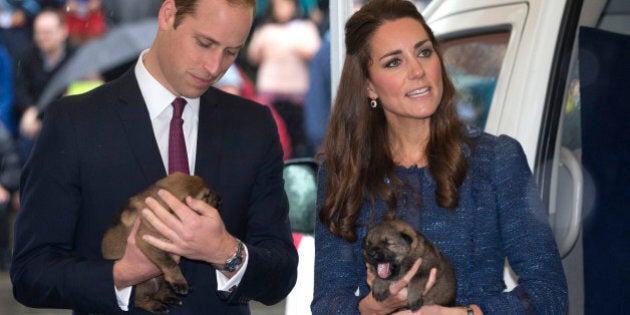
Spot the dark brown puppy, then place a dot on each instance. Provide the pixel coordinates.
(154, 295)
(390, 249)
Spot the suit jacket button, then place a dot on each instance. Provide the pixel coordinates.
(223, 295)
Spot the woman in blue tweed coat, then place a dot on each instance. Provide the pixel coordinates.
(395, 148)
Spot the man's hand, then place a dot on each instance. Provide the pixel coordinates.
(30, 123)
(134, 267)
(5, 195)
(196, 230)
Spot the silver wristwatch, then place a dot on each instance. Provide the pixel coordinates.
(232, 263)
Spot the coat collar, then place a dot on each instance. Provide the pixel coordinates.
(211, 134)
(136, 123)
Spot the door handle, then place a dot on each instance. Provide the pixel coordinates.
(574, 168)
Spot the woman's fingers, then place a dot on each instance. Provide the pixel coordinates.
(402, 283)
(431, 281)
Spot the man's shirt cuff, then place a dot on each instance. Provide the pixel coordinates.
(122, 296)
(223, 284)
(228, 284)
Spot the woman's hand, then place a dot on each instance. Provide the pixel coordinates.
(398, 292)
(441, 310)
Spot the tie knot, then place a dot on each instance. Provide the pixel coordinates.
(178, 107)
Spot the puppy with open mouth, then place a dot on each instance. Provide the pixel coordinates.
(390, 249)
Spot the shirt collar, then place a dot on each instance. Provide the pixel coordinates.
(156, 96)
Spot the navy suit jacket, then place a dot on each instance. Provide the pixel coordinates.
(96, 150)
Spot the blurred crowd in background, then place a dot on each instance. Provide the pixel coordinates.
(285, 66)
(37, 39)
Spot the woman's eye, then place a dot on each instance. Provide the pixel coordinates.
(425, 52)
(392, 63)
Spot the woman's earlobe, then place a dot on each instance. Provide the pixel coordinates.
(370, 92)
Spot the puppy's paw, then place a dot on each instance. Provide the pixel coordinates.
(415, 302)
(161, 302)
(154, 307)
(181, 288)
(380, 290)
(172, 301)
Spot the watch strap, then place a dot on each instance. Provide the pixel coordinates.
(235, 261)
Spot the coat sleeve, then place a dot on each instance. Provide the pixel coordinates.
(46, 270)
(272, 268)
(527, 239)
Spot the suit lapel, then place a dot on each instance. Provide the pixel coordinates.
(136, 123)
(210, 137)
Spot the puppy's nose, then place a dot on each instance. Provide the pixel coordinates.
(374, 253)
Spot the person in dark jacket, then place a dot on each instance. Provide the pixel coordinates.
(50, 51)
(9, 181)
(16, 21)
(98, 149)
(9, 159)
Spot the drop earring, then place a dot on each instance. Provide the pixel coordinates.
(373, 103)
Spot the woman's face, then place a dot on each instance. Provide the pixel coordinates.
(405, 73)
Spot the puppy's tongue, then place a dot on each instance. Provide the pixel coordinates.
(383, 270)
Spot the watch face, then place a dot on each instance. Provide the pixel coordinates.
(233, 264)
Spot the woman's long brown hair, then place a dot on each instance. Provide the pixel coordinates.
(356, 150)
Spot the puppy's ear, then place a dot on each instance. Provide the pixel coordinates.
(203, 194)
(219, 203)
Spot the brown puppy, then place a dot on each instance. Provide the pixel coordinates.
(390, 249)
(154, 295)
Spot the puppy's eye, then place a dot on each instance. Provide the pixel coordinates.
(406, 237)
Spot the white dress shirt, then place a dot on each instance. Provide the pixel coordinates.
(158, 100)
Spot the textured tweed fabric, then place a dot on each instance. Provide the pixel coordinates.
(500, 216)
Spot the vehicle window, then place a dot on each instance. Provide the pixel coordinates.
(474, 63)
(571, 128)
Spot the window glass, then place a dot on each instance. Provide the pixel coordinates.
(474, 63)
(571, 128)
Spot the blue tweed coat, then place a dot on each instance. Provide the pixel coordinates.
(500, 216)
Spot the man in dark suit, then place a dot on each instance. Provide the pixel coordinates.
(98, 149)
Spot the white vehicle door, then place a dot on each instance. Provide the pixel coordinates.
(515, 65)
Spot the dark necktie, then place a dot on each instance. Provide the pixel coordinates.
(177, 156)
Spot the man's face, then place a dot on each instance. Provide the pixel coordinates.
(193, 56)
(48, 32)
